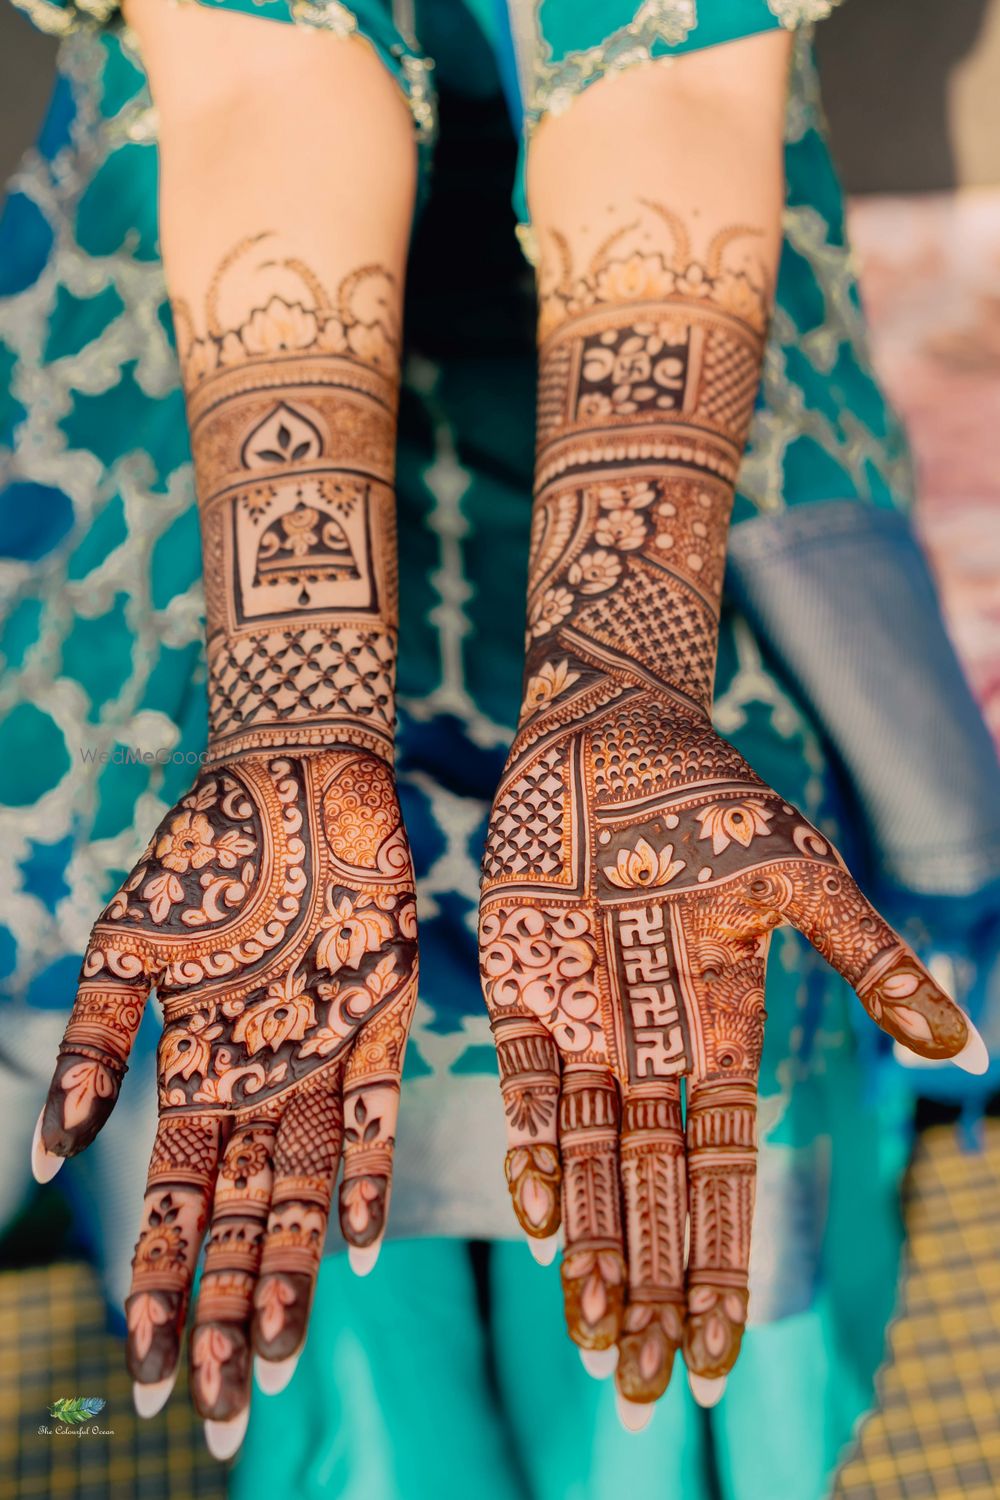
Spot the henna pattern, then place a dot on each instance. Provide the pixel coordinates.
(273, 910)
(635, 864)
(292, 417)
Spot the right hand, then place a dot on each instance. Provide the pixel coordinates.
(274, 912)
(635, 869)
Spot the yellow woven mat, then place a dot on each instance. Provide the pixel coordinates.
(936, 1432)
(55, 1344)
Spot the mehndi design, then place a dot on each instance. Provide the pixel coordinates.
(273, 910)
(636, 865)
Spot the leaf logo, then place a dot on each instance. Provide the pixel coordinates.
(77, 1409)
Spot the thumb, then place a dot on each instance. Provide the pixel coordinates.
(93, 1054)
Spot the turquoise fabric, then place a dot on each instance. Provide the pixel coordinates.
(101, 625)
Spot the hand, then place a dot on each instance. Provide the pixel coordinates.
(635, 869)
(274, 912)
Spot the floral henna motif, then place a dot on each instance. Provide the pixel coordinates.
(635, 865)
(273, 910)
(264, 1012)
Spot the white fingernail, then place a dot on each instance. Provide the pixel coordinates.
(273, 1375)
(706, 1392)
(44, 1164)
(973, 1057)
(362, 1260)
(633, 1415)
(600, 1363)
(909, 1059)
(223, 1438)
(153, 1396)
(544, 1250)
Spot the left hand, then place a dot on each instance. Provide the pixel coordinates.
(274, 912)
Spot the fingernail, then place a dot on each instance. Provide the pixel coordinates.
(44, 1164)
(909, 1059)
(152, 1397)
(633, 1415)
(973, 1057)
(706, 1392)
(223, 1438)
(362, 1259)
(273, 1375)
(600, 1363)
(544, 1250)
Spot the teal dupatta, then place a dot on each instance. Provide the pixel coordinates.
(404, 1391)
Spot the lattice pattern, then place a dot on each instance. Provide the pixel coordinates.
(730, 375)
(666, 629)
(527, 831)
(302, 673)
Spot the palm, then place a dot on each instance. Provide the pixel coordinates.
(634, 871)
(274, 913)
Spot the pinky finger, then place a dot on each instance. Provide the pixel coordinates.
(529, 1083)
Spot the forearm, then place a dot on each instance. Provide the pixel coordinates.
(293, 450)
(286, 285)
(655, 277)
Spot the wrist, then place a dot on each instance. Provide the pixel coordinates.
(303, 689)
(559, 680)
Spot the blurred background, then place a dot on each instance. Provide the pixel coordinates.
(912, 91)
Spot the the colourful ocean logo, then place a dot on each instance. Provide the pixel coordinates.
(75, 1410)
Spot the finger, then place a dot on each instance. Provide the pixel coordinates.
(593, 1267)
(220, 1336)
(722, 1168)
(306, 1158)
(892, 984)
(655, 1188)
(529, 1084)
(371, 1106)
(93, 1055)
(182, 1173)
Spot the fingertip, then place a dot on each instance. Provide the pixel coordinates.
(272, 1375)
(151, 1397)
(362, 1258)
(706, 1392)
(224, 1438)
(44, 1163)
(533, 1177)
(633, 1415)
(544, 1249)
(973, 1058)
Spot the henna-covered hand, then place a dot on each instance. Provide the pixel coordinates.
(636, 866)
(273, 910)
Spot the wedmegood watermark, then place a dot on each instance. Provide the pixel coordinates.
(131, 755)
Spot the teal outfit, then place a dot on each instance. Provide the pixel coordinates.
(404, 1390)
